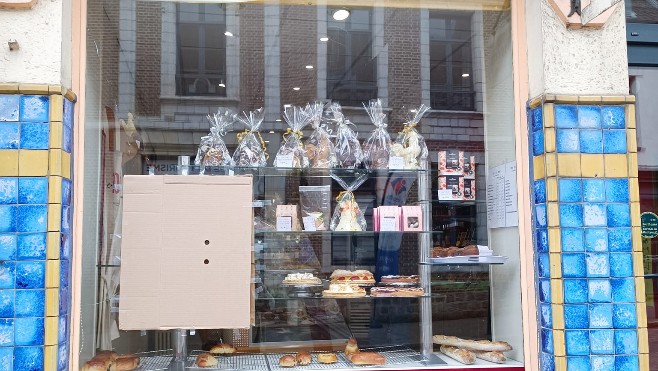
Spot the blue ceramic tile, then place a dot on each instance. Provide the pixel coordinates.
(62, 329)
(6, 332)
(535, 119)
(32, 218)
(542, 240)
(28, 358)
(566, 117)
(7, 299)
(575, 291)
(623, 290)
(624, 316)
(66, 192)
(602, 341)
(540, 191)
(547, 362)
(598, 265)
(66, 219)
(626, 342)
(64, 273)
(567, 141)
(9, 135)
(572, 240)
(589, 117)
(614, 141)
(29, 331)
(67, 115)
(593, 190)
(594, 215)
(8, 190)
(538, 142)
(30, 303)
(545, 290)
(619, 239)
(571, 215)
(603, 363)
(7, 275)
(541, 216)
(621, 265)
(30, 274)
(577, 342)
(65, 246)
(33, 190)
(6, 358)
(67, 139)
(616, 190)
(63, 357)
(571, 190)
(627, 363)
(63, 300)
(576, 316)
(596, 239)
(600, 291)
(34, 108)
(31, 246)
(9, 106)
(7, 246)
(578, 364)
(619, 215)
(573, 266)
(600, 316)
(7, 218)
(613, 117)
(546, 340)
(591, 141)
(546, 315)
(35, 135)
(543, 266)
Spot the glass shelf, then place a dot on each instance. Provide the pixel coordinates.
(270, 171)
(367, 297)
(339, 234)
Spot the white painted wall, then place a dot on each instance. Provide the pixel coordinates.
(40, 33)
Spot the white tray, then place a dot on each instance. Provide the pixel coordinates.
(475, 259)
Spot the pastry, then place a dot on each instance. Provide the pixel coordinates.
(287, 361)
(106, 355)
(481, 345)
(344, 290)
(495, 357)
(301, 279)
(367, 358)
(327, 358)
(222, 348)
(399, 279)
(356, 277)
(439, 252)
(303, 358)
(206, 360)
(396, 291)
(94, 365)
(461, 355)
(470, 250)
(125, 364)
(351, 347)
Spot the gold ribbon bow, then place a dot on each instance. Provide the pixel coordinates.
(262, 142)
(341, 194)
(289, 131)
(408, 126)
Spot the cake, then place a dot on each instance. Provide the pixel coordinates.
(355, 277)
(397, 291)
(393, 279)
(344, 290)
(301, 279)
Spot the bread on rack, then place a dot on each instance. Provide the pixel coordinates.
(495, 357)
(206, 360)
(460, 355)
(344, 290)
(125, 364)
(397, 291)
(327, 358)
(367, 358)
(106, 355)
(223, 348)
(303, 358)
(359, 276)
(351, 347)
(94, 365)
(481, 345)
(287, 361)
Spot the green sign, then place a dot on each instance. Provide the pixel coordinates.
(649, 222)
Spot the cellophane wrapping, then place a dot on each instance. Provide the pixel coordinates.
(212, 149)
(377, 148)
(409, 144)
(319, 148)
(315, 203)
(347, 214)
(347, 147)
(251, 151)
(297, 118)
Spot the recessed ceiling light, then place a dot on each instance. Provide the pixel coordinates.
(325, 39)
(228, 33)
(465, 75)
(272, 131)
(296, 88)
(278, 120)
(221, 84)
(341, 14)
(267, 141)
(309, 67)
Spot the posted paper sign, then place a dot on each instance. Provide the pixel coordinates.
(284, 223)
(284, 160)
(395, 162)
(502, 202)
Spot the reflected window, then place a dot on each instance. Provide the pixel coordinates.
(641, 11)
(201, 49)
(451, 67)
(351, 65)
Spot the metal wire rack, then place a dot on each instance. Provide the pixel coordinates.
(155, 360)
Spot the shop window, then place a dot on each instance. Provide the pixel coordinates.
(351, 65)
(451, 67)
(201, 49)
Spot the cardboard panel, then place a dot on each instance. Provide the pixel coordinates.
(186, 252)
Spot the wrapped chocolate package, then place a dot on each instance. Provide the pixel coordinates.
(251, 151)
(347, 148)
(377, 148)
(410, 145)
(347, 214)
(292, 153)
(315, 202)
(212, 149)
(319, 148)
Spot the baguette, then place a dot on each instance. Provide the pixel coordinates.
(481, 345)
(367, 358)
(460, 355)
(495, 357)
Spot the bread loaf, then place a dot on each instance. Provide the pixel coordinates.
(495, 357)
(287, 361)
(222, 348)
(351, 347)
(481, 345)
(205, 360)
(125, 364)
(94, 365)
(367, 358)
(303, 358)
(460, 355)
(327, 358)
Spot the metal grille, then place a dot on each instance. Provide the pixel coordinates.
(233, 362)
(154, 361)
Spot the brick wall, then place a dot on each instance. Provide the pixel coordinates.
(252, 73)
(147, 74)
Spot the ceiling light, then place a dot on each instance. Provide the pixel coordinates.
(228, 33)
(309, 67)
(278, 120)
(221, 84)
(465, 75)
(325, 39)
(341, 14)
(296, 88)
(272, 131)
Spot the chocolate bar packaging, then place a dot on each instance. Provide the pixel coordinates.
(469, 166)
(389, 218)
(412, 218)
(451, 162)
(469, 189)
(454, 183)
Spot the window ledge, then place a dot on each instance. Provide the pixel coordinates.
(181, 98)
(450, 113)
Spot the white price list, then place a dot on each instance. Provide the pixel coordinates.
(502, 202)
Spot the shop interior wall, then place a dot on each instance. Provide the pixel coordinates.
(646, 80)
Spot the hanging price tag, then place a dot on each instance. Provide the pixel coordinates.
(284, 223)
(284, 160)
(309, 223)
(395, 162)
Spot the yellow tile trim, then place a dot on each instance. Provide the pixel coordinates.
(70, 95)
(54, 217)
(56, 108)
(52, 273)
(557, 291)
(8, 162)
(554, 240)
(630, 99)
(555, 260)
(592, 165)
(553, 214)
(642, 340)
(551, 189)
(50, 357)
(51, 327)
(548, 113)
(634, 189)
(55, 89)
(8, 88)
(38, 89)
(52, 302)
(52, 245)
(538, 167)
(636, 238)
(55, 162)
(558, 316)
(534, 103)
(641, 309)
(631, 140)
(549, 98)
(55, 140)
(640, 293)
(558, 346)
(635, 214)
(551, 165)
(33, 89)
(566, 99)
(568, 165)
(616, 166)
(632, 165)
(66, 165)
(549, 140)
(589, 99)
(644, 361)
(32, 162)
(613, 99)
(54, 189)
(638, 264)
(630, 116)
